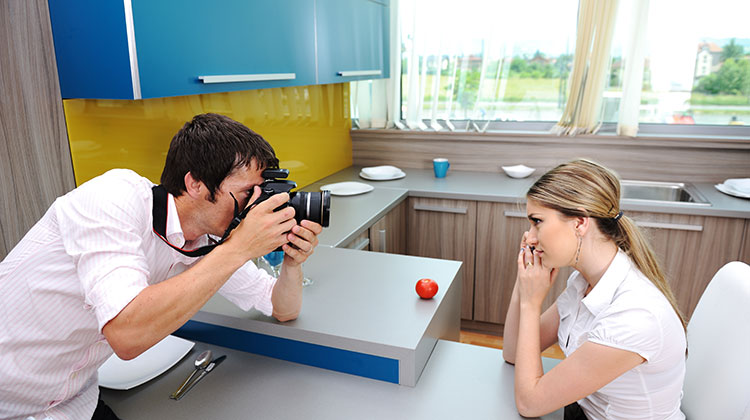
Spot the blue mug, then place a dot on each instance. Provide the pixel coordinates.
(440, 165)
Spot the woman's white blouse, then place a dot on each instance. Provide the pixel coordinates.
(626, 311)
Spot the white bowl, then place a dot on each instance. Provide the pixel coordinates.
(518, 171)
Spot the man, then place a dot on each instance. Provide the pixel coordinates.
(96, 274)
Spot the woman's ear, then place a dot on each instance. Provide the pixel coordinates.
(193, 187)
(582, 223)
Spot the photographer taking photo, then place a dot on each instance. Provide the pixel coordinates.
(100, 272)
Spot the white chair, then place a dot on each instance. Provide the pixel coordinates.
(717, 378)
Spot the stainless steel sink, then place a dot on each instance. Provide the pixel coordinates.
(662, 192)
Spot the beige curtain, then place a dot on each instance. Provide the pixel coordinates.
(628, 112)
(596, 24)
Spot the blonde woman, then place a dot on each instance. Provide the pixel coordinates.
(617, 321)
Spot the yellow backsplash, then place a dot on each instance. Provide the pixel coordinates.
(308, 127)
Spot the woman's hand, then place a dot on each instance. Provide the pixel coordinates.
(534, 279)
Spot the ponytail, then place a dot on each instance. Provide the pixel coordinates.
(631, 240)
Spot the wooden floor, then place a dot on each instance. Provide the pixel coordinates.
(496, 342)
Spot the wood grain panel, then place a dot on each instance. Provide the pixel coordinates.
(690, 258)
(445, 235)
(498, 240)
(357, 242)
(394, 226)
(667, 159)
(745, 251)
(36, 166)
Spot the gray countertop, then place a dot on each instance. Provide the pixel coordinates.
(347, 296)
(350, 215)
(459, 381)
(361, 302)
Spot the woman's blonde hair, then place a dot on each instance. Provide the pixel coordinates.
(583, 184)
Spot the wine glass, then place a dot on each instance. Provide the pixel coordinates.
(274, 259)
(306, 281)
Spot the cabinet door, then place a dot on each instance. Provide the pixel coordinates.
(745, 249)
(352, 40)
(361, 242)
(691, 250)
(164, 48)
(389, 233)
(179, 41)
(500, 227)
(445, 229)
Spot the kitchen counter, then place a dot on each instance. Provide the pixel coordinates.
(351, 215)
(361, 315)
(459, 381)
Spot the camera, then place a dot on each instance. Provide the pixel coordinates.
(313, 206)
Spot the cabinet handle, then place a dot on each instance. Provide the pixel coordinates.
(672, 226)
(362, 244)
(515, 214)
(353, 73)
(381, 233)
(230, 78)
(440, 209)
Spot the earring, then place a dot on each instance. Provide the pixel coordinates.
(578, 251)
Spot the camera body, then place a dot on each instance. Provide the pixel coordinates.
(314, 206)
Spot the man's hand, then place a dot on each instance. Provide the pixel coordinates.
(304, 237)
(263, 229)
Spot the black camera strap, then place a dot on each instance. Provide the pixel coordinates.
(159, 213)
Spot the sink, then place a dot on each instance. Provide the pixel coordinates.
(661, 192)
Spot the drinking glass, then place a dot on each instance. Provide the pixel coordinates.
(274, 259)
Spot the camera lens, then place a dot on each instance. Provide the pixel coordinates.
(313, 206)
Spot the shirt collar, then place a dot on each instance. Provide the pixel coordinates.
(602, 294)
(174, 229)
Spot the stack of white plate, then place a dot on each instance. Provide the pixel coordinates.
(737, 187)
(381, 173)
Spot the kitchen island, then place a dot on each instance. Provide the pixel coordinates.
(460, 381)
(361, 315)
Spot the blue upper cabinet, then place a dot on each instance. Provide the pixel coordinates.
(352, 40)
(112, 50)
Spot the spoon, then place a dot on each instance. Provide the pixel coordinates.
(201, 362)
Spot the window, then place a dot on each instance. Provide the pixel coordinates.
(697, 66)
(485, 60)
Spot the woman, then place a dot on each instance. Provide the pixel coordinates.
(617, 321)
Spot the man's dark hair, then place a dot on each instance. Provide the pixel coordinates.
(210, 147)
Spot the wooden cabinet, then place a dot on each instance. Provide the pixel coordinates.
(389, 233)
(445, 229)
(691, 249)
(500, 227)
(150, 49)
(360, 242)
(352, 40)
(745, 251)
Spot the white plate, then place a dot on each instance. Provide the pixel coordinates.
(518, 171)
(398, 175)
(347, 188)
(116, 373)
(731, 191)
